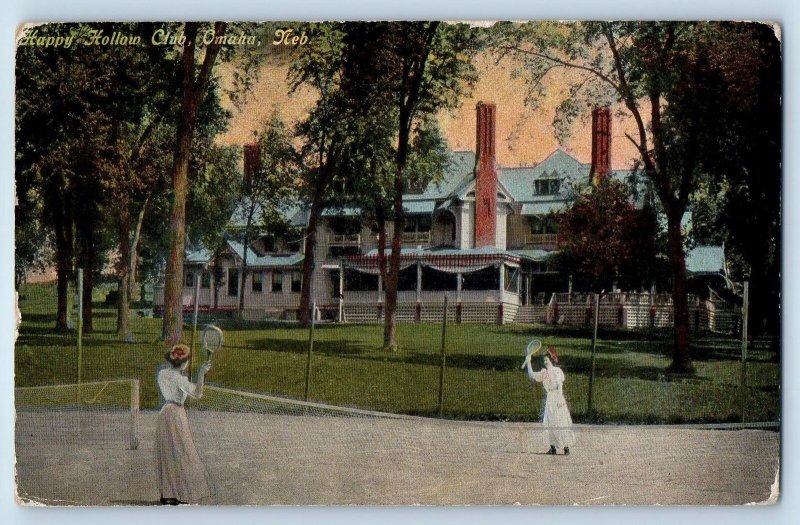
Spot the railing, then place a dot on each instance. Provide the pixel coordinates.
(347, 239)
(416, 237)
(541, 239)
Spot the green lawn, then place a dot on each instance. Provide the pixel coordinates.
(482, 380)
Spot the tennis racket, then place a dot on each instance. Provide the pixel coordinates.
(211, 339)
(533, 348)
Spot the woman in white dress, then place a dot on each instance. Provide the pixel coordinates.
(181, 475)
(556, 419)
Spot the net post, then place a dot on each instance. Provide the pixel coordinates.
(444, 358)
(80, 330)
(134, 427)
(743, 377)
(596, 319)
(310, 349)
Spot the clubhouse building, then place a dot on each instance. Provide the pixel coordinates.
(483, 236)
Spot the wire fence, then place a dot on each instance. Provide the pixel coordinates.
(445, 366)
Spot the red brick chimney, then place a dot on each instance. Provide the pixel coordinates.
(485, 176)
(601, 144)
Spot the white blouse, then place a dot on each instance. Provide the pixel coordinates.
(175, 386)
(551, 378)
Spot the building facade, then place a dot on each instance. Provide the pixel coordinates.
(482, 236)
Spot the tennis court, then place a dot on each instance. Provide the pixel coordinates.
(306, 457)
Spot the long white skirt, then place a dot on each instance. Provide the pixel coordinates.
(181, 474)
(557, 421)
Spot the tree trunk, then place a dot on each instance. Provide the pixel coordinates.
(390, 308)
(63, 245)
(123, 268)
(681, 362)
(308, 261)
(245, 245)
(173, 289)
(134, 251)
(382, 246)
(190, 96)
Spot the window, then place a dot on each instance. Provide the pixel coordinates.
(277, 281)
(297, 281)
(511, 279)
(257, 282)
(355, 281)
(294, 245)
(550, 186)
(543, 224)
(205, 280)
(436, 280)
(417, 223)
(233, 281)
(188, 280)
(486, 279)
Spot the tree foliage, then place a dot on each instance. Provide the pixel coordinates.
(675, 80)
(604, 239)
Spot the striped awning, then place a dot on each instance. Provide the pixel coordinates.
(451, 261)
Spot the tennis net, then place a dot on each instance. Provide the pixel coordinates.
(100, 413)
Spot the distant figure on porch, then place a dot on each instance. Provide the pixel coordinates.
(556, 419)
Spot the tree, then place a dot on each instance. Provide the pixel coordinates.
(33, 241)
(409, 71)
(745, 169)
(194, 85)
(322, 133)
(603, 238)
(653, 70)
(70, 128)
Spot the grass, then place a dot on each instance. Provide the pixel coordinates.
(483, 379)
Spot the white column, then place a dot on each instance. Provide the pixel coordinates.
(341, 292)
(419, 282)
(458, 287)
(502, 280)
(380, 288)
(211, 289)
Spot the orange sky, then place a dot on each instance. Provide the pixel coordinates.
(525, 135)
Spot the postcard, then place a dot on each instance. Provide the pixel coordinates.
(398, 263)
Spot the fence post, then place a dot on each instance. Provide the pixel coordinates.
(310, 349)
(596, 312)
(444, 358)
(745, 307)
(80, 329)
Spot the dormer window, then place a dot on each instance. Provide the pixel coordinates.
(547, 186)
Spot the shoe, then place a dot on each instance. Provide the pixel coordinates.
(170, 501)
(566, 451)
(552, 450)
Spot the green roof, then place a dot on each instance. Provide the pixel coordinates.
(270, 261)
